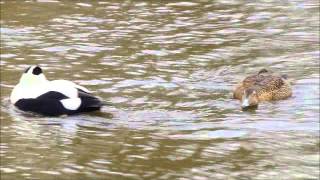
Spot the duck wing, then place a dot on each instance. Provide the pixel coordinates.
(264, 81)
(270, 83)
(78, 98)
(48, 104)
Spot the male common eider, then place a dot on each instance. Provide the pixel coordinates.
(263, 86)
(52, 98)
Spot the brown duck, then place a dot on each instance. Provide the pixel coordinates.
(263, 86)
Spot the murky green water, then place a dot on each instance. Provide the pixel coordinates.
(169, 69)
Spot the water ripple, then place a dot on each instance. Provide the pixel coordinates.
(168, 70)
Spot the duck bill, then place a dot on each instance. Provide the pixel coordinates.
(247, 106)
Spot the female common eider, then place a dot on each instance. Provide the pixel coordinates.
(263, 86)
(52, 98)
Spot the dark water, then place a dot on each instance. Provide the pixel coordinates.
(169, 69)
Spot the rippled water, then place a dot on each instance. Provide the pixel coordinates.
(168, 68)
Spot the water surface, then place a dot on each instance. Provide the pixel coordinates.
(169, 69)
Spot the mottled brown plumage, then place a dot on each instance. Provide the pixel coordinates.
(266, 85)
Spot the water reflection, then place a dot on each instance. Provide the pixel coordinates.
(168, 69)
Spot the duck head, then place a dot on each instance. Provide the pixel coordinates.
(32, 75)
(249, 99)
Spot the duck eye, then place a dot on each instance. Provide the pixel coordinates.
(37, 70)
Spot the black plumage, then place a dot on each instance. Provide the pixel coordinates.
(49, 104)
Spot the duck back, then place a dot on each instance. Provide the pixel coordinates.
(268, 87)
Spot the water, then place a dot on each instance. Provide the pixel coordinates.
(168, 68)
